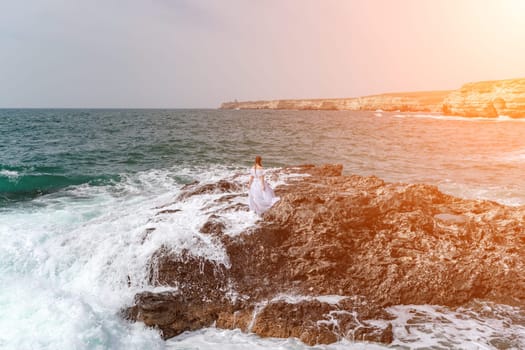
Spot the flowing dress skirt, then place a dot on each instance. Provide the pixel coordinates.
(258, 200)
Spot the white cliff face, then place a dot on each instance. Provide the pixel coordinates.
(427, 101)
(482, 99)
(424, 101)
(488, 99)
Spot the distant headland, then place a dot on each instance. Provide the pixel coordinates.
(489, 99)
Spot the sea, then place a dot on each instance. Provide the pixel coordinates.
(78, 188)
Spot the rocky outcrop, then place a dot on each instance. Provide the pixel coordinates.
(482, 99)
(333, 253)
(426, 101)
(488, 99)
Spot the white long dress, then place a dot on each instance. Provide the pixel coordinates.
(258, 200)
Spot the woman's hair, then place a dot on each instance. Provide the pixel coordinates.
(258, 160)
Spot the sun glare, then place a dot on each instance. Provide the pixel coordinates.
(514, 8)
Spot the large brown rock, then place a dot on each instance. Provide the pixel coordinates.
(388, 243)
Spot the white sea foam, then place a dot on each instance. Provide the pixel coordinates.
(64, 262)
(481, 326)
(11, 174)
(500, 118)
(513, 157)
(212, 339)
(69, 261)
(510, 195)
(39, 314)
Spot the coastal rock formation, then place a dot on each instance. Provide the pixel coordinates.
(333, 253)
(425, 101)
(488, 99)
(481, 99)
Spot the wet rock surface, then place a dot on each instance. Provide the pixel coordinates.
(333, 253)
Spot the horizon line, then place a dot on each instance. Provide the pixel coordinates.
(109, 108)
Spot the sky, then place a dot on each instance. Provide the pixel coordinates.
(199, 53)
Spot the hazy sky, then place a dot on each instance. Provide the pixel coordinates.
(197, 53)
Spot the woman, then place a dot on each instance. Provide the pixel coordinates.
(260, 195)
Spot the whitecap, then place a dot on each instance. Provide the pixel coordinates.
(459, 118)
(11, 174)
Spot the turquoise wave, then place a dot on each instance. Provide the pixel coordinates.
(23, 183)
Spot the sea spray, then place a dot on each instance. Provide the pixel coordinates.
(71, 260)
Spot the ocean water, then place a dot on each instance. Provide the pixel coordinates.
(78, 189)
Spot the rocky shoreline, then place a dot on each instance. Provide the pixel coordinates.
(332, 254)
(488, 99)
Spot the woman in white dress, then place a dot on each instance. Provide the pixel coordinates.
(260, 195)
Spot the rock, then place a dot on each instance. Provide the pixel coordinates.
(488, 99)
(322, 170)
(173, 313)
(201, 286)
(219, 187)
(168, 211)
(315, 322)
(283, 320)
(213, 226)
(480, 99)
(147, 233)
(374, 334)
(190, 274)
(423, 101)
(233, 319)
(330, 234)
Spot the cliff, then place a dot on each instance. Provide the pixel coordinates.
(488, 99)
(326, 260)
(426, 101)
(482, 99)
